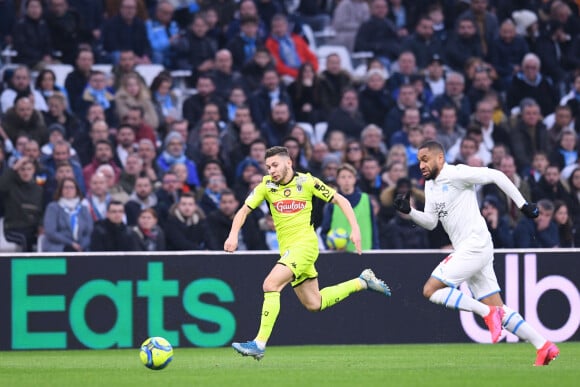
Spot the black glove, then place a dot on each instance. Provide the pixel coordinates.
(530, 210)
(402, 202)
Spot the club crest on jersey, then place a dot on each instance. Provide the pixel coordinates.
(300, 180)
(287, 192)
(287, 206)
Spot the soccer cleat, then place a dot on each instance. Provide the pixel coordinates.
(374, 283)
(493, 322)
(546, 354)
(249, 348)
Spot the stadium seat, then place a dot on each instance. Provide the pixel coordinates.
(6, 246)
(319, 132)
(60, 71)
(149, 71)
(103, 67)
(309, 34)
(323, 51)
(39, 243)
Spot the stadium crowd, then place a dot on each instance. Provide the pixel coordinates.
(158, 131)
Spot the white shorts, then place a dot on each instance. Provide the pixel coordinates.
(473, 267)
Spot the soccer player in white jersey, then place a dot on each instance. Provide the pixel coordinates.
(450, 198)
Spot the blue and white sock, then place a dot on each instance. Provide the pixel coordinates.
(515, 323)
(453, 298)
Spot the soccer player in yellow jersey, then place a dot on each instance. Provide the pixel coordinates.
(289, 195)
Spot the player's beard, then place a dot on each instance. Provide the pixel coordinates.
(283, 176)
(433, 173)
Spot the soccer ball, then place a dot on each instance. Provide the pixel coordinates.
(337, 239)
(156, 353)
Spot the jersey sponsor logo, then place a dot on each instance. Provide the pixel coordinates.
(441, 210)
(322, 188)
(289, 206)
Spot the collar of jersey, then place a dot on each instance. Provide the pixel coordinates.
(290, 181)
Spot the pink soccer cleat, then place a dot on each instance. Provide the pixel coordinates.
(493, 322)
(546, 354)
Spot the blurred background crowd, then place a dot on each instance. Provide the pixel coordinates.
(141, 125)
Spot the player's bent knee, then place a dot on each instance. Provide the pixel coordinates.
(428, 291)
(312, 306)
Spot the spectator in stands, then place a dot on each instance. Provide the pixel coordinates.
(77, 80)
(289, 50)
(223, 74)
(529, 134)
(92, 14)
(253, 71)
(347, 117)
(305, 93)
(411, 118)
(141, 198)
(379, 34)
(174, 152)
(360, 202)
(135, 119)
(539, 164)
(508, 51)
(127, 65)
(402, 186)
(434, 75)
(303, 137)
(400, 232)
(540, 232)
(448, 130)
(66, 31)
(422, 43)
(96, 91)
(209, 201)
(565, 153)
(492, 134)
(508, 167)
(392, 172)
(319, 151)
(206, 92)
(220, 221)
(295, 152)
(278, 125)
(370, 176)
(56, 133)
(247, 10)
(551, 186)
(147, 234)
(480, 85)
(67, 222)
(354, 153)
(58, 114)
(551, 48)
(186, 227)
(202, 129)
(46, 85)
(162, 32)
(463, 44)
(239, 134)
(131, 93)
(214, 24)
(111, 234)
(22, 200)
(372, 140)
(454, 95)
(31, 37)
(374, 98)
(406, 99)
(210, 149)
(61, 152)
(126, 144)
(126, 31)
(566, 228)
(19, 84)
(346, 20)
(243, 45)
(486, 23)
(497, 223)
(103, 156)
(195, 50)
(403, 71)
(165, 101)
(270, 93)
(529, 83)
(333, 81)
(98, 197)
(562, 120)
(336, 141)
(23, 118)
(126, 183)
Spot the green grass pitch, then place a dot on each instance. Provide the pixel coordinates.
(372, 365)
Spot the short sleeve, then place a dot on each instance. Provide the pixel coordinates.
(321, 190)
(257, 196)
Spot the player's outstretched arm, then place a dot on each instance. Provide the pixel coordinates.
(346, 208)
(231, 244)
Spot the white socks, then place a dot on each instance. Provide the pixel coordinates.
(515, 323)
(455, 299)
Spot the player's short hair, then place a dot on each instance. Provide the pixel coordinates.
(277, 150)
(433, 146)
